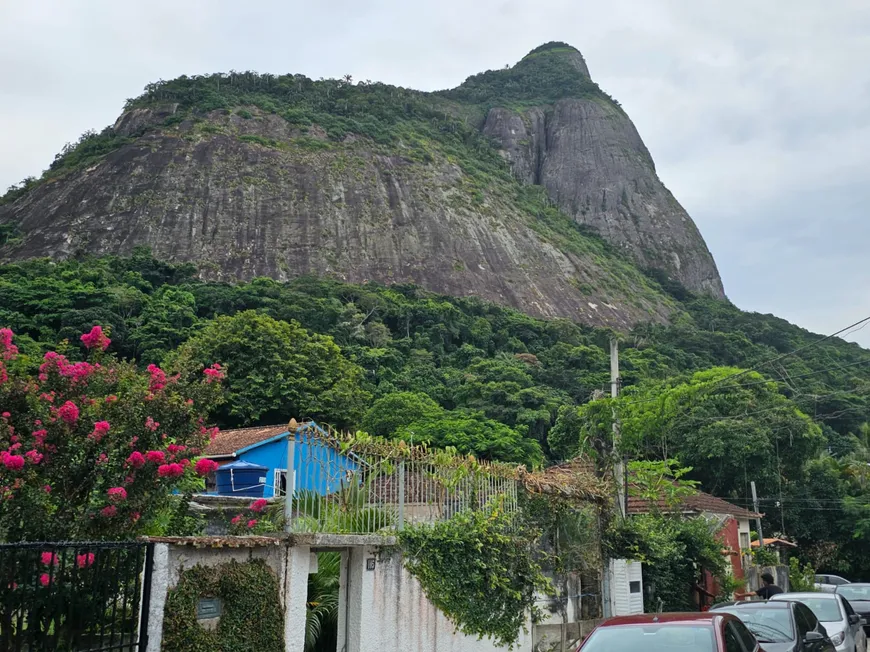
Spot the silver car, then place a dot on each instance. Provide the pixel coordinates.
(843, 625)
(829, 583)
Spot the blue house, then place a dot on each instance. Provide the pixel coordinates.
(318, 465)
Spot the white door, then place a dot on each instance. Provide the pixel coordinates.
(626, 587)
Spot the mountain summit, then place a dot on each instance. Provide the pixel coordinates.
(527, 186)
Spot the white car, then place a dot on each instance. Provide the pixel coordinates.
(844, 626)
(829, 583)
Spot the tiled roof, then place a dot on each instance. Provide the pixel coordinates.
(229, 441)
(697, 502)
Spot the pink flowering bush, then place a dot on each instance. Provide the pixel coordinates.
(205, 466)
(96, 339)
(258, 519)
(85, 560)
(259, 505)
(117, 494)
(93, 449)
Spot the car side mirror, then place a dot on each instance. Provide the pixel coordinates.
(854, 619)
(813, 637)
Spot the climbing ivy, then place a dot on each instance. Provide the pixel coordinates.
(251, 620)
(479, 568)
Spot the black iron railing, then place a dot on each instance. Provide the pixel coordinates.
(73, 597)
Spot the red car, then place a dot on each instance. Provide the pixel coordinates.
(689, 632)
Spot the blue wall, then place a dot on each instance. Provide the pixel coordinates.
(318, 467)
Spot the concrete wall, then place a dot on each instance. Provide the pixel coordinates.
(386, 610)
(290, 564)
(382, 609)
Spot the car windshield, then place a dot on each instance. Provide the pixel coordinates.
(651, 638)
(854, 592)
(826, 610)
(769, 624)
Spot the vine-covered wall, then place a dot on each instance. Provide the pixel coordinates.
(251, 619)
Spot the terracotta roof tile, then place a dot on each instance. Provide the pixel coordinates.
(698, 502)
(229, 441)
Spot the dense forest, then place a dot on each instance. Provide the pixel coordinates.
(402, 362)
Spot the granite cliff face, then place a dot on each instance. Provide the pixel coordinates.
(588, 155)
(280, 176)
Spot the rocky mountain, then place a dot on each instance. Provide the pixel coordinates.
(527, 186)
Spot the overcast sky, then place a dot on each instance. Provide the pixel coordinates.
(756, 113)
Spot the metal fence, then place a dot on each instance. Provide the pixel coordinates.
(73, 597)
(345, 485)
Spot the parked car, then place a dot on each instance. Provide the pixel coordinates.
(837, 616)
(782, 626)
(712, 631)
(829, 583)
(858, 595)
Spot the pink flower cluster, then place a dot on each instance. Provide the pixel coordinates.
(136, 460)
(213, 373)
(39, 436)
(205, 466)
(151, 424)
(35, 457)
(96, 339)
(77, 371)
(258, 505)
(68, 412)
(157, 457)
(85, 560)
(48, 559)
(158, 378)
(11, 462)
(109, 511)
(235, 520)
(7, 349)
(117, 494)
(101, 429)
(7, 352)
(170, 470)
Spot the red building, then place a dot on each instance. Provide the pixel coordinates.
(734, 533)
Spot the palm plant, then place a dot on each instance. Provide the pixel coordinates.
(321, 617)
(346, 511)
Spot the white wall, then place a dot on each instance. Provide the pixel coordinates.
(387, 611)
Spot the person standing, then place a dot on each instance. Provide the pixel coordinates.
(765, 592)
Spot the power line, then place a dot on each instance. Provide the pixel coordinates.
(797, 350)
(776, 359)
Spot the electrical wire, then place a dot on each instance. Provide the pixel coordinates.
(776, 359)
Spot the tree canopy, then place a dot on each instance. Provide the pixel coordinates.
(276, 371)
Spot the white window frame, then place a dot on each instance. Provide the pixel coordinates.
(744, 537)
(276, 481)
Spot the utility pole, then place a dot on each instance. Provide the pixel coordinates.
(289, 484)
(755, 507)
(618, 464)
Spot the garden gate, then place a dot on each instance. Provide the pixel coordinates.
(74, 597)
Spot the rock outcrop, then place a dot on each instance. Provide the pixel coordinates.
(248, 191)
(588, 155)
